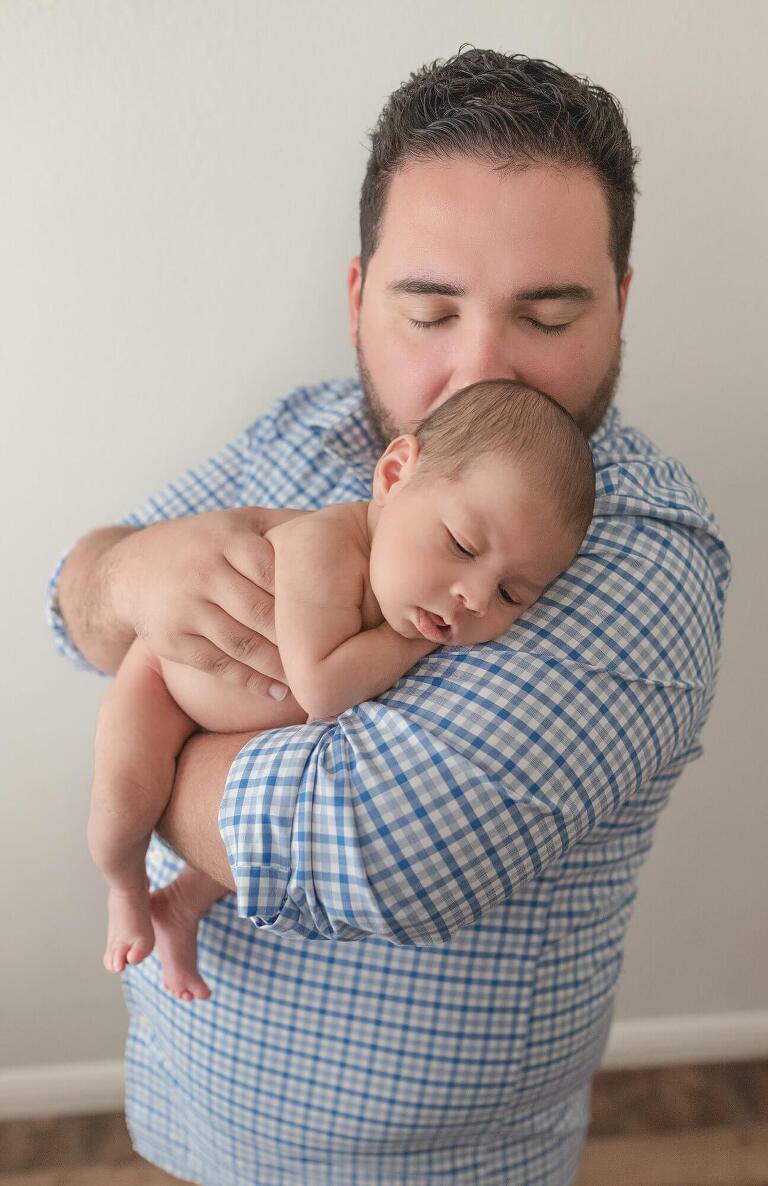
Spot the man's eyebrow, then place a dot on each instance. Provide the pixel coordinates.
(556, 292)
(413, 286)
(427, 286)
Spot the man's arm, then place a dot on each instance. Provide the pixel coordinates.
(413, 815)
(189, 823)
(189, 574)
(86, 603)
(89, 627)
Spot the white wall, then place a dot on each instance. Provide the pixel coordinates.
(178, 189)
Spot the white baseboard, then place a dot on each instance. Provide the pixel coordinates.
(62, 1089)
(671, 1041)
(83, 1088)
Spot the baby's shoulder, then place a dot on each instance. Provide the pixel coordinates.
(350, 517)
(339, 530)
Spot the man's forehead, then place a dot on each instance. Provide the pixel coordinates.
(465, 210)
(468, 176)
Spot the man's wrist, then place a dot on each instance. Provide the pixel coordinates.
(86, 599)
(112, 585)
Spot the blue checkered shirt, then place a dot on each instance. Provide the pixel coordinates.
(413, 982)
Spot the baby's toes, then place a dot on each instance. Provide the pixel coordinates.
(186, 985)
(140, 949)
(199, 989)
(115, 956)
(195, 990)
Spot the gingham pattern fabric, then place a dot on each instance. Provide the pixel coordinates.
(414, 981)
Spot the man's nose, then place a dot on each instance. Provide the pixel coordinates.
(485, 354)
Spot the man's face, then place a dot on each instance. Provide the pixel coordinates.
(479, 275)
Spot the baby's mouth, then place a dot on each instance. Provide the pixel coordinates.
(432, 626)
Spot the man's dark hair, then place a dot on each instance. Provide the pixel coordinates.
(512, 111)
(541, 439)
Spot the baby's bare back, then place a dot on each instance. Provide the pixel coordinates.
(224, 708)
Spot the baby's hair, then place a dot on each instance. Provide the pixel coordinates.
(499, 416)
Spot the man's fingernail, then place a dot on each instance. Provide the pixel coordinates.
(278, 691)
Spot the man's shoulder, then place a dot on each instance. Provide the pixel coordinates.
(636, 479)
(644, 599)
(309, 409)
(310, 448)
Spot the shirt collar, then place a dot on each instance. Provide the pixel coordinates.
(352, 438)
(609, 425)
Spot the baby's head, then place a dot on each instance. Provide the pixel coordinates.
(477, 512)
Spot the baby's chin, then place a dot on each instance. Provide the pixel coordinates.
(402, 621)
(403, 624)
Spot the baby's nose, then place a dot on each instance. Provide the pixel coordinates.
(473, 601)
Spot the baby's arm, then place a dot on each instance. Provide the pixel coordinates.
(330, 662)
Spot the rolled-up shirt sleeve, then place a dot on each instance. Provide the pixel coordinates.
(411, 815)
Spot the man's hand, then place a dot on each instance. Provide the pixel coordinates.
(200, 591)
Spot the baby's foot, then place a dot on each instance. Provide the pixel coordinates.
(175, 918)
(130, 936)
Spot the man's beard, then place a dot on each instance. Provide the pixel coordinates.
(385, 429)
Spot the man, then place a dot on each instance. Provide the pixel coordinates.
(475, 833)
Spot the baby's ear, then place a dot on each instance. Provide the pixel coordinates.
(395, 467)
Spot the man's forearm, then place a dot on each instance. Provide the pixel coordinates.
(85, 602)
(190, 821)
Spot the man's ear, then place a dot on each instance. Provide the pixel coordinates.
(354, 296)
(624, 292)
(395, 467)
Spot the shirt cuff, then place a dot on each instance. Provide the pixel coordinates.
(255, 822)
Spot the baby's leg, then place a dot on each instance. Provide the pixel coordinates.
(140, 731)
(176, 912)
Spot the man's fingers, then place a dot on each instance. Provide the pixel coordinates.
(202, 654)
(253, 557)
(261, 519)
(246, 602)
(240, 643)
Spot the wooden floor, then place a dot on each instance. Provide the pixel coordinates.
(687, 1126)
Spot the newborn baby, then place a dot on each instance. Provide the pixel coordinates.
(472, 516)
